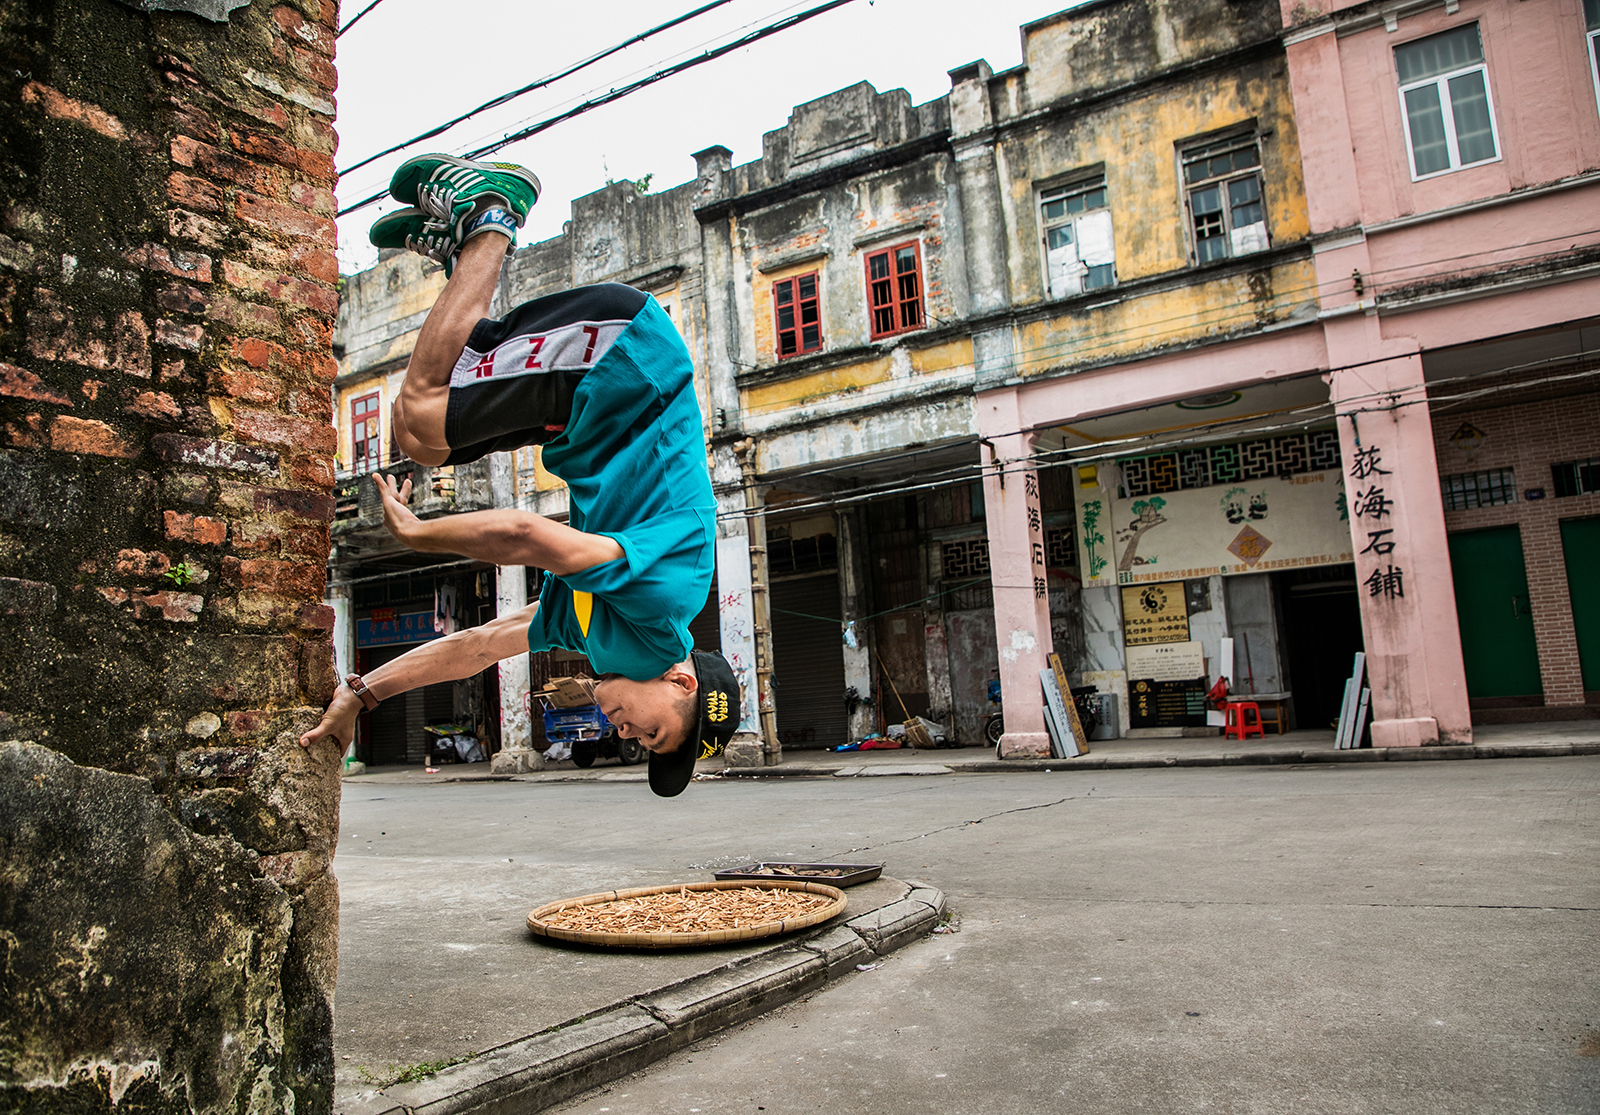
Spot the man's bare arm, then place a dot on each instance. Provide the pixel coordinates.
(504, 537)
(448, 659)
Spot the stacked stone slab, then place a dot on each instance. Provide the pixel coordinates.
(167, 291)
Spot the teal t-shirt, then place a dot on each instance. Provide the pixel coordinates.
(634, 460)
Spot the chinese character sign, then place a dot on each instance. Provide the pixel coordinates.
(1374, 514)
(1030, 492)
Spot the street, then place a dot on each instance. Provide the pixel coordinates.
(1395, 937)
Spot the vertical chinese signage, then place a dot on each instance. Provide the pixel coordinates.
(1030, 491)
(1373, 512)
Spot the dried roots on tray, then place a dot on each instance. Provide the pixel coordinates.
(687, 911)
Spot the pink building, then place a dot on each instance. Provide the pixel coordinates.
(1432, 376)
(1452, 163)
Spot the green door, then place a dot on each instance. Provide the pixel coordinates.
(1580, 541)
(1492, 606)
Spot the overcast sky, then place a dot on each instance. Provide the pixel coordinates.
(410, 65)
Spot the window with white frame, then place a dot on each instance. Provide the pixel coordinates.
(1591, 16)
(1227, 214)
(1078, 249)
(1444, 101)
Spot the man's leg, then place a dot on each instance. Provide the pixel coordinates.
(419, 410)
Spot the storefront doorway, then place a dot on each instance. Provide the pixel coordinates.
(1319, 624)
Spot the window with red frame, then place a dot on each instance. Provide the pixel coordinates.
(366, 433)
(799, 316)
(894, 289)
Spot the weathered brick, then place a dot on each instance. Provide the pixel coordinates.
(199, 529)
(286, 220)
(179, 335)
(79, 435)
(254, 351)
(26, 598)
(295, 26)
(259, 146)
(183, 299)
(279, 429)
(196, 193)
(192, 120)
(142, 563)
(246, 385)
(280, 287)
(62, 107)
(235, 314)
(19, 383)
(184, 225)
(318, 675)
(316, 506)
(221, 164)
(215, 454)
(55, 334)
(319, 70)
(312, 472)
(320, 616)
(292, 870)
(256, 536)
(113, 595)
(185, 265)
(175, 607)
(284, 578)
(153, 404)
(316, 262)
(319, 199)
(307, 541)
(215, 762)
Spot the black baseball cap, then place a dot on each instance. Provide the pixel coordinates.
(720, 710)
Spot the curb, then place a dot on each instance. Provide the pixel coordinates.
(1092, 761)
(534, 1072)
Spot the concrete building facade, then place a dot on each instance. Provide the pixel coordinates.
(1128, 354)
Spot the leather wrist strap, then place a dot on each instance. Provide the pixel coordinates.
(360, 688)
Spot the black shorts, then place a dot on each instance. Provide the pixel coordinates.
(514, 383)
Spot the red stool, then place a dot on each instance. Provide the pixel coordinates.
(1238, 725)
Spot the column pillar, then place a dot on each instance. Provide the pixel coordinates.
(1016, 561)
(858, 673)
(736, 616)
(1402, 555)
(516, 754)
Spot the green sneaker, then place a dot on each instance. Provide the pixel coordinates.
(414, 231)
(455, 190)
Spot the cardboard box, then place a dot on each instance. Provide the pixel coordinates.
(569, 692)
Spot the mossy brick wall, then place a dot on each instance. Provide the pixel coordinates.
(168, 922)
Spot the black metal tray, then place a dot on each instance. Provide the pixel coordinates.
(834, 874)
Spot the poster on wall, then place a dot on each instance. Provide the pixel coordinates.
(1154, 614)
(1158, 525)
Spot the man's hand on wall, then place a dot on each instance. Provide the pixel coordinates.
(339, 722)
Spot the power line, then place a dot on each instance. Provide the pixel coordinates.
(357, 17)
(505, 98)
(632, 87)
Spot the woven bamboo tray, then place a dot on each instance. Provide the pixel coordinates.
(538, 924)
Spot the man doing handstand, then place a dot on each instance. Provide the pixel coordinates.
(601, 379)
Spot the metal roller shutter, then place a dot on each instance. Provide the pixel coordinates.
(808, 662)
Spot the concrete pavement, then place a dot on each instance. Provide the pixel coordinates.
(435, 965)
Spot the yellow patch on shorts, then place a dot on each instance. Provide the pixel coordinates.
(583, 608)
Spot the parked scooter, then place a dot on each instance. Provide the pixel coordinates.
(591, 736)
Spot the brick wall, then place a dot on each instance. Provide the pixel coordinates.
(1528, 436)
(167, 291)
